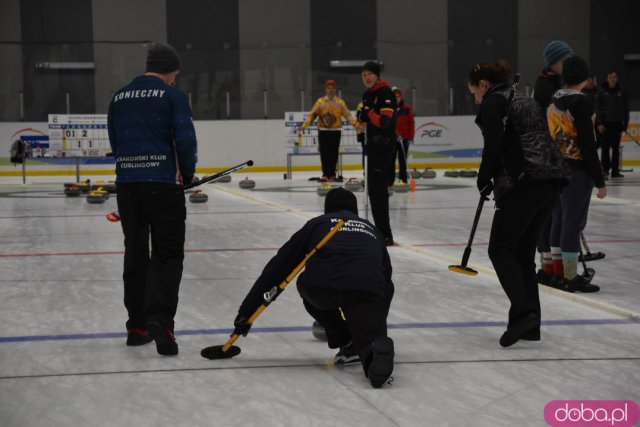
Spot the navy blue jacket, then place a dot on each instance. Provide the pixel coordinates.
(355, 258)
(151, 133)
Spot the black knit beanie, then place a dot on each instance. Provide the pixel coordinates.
(162, 58)
(575, 70)
(372, 66)
(340, 199)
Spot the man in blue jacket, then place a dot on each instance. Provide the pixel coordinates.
(346, 287)
(154, 145)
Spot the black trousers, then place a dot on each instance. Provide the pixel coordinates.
(402, 162)
(610, 145)
(365, 315)
(329, 144)
(152, 280)
(379, 157)
(516, 226)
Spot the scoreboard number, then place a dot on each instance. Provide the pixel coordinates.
(78, 135)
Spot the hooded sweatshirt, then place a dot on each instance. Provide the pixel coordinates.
(570, 120)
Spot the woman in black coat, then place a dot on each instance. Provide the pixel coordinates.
(521, 165)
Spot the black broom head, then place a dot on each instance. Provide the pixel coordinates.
(216, 352)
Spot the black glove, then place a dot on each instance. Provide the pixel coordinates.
(485, 188)
(360, 138)
(241, 325)
(187, 179)
(363, 115)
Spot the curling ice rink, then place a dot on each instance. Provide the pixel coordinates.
(63, 359)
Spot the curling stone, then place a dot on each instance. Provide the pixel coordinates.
(106, 193)
(468, 173)
(353, 184)
(318, 331)
(72, 191)
(452, 173)
(401, 187)
(102, 191)
(226, 178)
(323, 189)
(428, 173)
(198, 197)
(415, 174)
(85, 187)
(97, 197)
(247, 184)
(71, 184)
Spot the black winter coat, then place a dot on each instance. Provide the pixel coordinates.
(612, 106)
(356, 258)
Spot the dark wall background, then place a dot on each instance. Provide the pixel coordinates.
(475, 37)
(283, 47)
(54, 34)
(613, 34)
(341, 30)
(205, 33)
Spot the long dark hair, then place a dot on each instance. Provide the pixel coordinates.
(495, 73)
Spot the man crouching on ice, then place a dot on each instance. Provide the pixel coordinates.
(346, 287)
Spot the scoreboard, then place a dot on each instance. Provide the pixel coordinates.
(78, 135)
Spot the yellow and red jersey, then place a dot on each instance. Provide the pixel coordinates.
(329, 112)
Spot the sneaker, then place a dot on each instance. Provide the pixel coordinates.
(138, 336)
(166, 344)
(381, 366)
(579, 284)
(324, 179)
(347, 355)
(617, 175)
(388, 241)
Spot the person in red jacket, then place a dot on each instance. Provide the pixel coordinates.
(405, 129)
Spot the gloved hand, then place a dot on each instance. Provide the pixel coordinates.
(409, 142)
(186, 179)
(360, 138)
(241, 325)
(400, 140)
(485, 188)
(363, 115)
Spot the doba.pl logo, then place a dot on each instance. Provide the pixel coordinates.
(591, 413)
